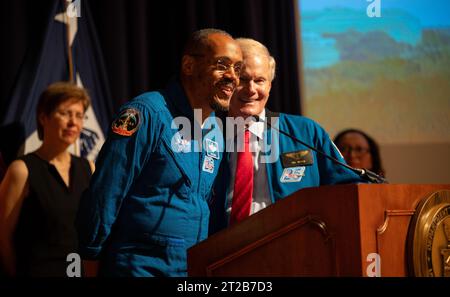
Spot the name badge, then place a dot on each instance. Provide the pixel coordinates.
(298, 158)
(292, 174)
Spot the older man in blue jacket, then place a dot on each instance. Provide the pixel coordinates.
(268, 166)
(147, 200)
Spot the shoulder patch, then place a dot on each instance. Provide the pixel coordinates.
(127, 122)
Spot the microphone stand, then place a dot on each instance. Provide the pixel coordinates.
(364, 173)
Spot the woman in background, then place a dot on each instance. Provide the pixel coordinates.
(40, 192)
(359, 150)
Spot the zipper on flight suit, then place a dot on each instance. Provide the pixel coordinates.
(200, 160)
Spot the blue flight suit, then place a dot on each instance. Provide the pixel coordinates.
(280, 183)
(147, 202)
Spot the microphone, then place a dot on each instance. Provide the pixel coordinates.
(364, 173)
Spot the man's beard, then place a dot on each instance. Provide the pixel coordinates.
(215, 102)
(216, 106)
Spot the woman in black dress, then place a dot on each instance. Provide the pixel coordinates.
(40, 192)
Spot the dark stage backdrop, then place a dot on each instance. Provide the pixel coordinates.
(141, 40)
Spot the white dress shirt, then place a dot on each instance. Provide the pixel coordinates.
(261, 196)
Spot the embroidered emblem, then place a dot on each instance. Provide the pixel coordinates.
(212, 149)
(292, 174)
(208, 164)
(127, 122)
(180, 144)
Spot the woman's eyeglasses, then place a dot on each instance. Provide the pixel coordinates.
(67, 115)
(357, 150)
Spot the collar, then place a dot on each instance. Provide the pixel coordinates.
(179, 103)
(256, 128)
(178, 100)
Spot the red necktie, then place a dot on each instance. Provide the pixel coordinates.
(243, 183)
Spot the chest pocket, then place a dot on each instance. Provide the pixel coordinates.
(167, 170)
(184, 162)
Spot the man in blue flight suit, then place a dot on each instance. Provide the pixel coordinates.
(289, 167)
(147, 201)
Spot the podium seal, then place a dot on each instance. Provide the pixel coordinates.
(428, 243)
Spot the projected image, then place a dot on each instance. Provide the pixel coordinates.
(389, 75)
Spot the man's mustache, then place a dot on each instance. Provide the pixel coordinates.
(227, 81)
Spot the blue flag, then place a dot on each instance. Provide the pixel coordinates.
(69, 23)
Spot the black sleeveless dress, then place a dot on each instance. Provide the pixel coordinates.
(45, 232)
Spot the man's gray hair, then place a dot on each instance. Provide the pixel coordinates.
(251, 46)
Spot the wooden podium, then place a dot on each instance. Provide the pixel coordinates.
(324, 231)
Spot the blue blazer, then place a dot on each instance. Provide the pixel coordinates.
(285, 180)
